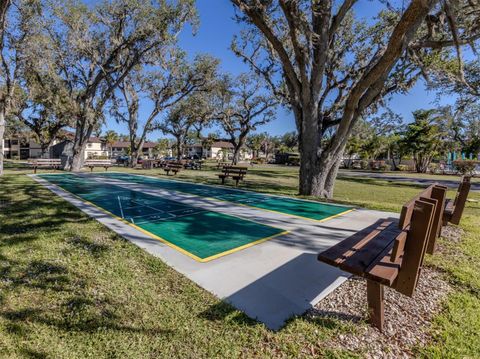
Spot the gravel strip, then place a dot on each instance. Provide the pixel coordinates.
(407, 320)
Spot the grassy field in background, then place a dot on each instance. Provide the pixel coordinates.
(72, 288)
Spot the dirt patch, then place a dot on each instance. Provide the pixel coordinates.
(452, 233)
(406, 319)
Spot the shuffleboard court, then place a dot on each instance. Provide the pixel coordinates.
(201, 234)
(296, 207)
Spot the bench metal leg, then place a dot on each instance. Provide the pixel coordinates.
(376, 308)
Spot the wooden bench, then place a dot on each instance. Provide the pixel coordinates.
(236, 173)
(98, 163)
(149, 164)
(174, 167)
(454, 208)
(221, 165)
(54, 163)
(390, 252)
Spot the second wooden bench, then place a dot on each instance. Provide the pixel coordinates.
(237, 173)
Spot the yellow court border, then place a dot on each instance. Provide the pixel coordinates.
(163, 240)
(249, 206)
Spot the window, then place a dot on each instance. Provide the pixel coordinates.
(14, 142)
(89, 145)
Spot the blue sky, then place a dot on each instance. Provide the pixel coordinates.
(214, 36)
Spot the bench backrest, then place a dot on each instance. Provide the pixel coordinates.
(412, 251)
(460, 199)
(45, 161)
(175, 165)
(437, 193)
(97, 162)
(240, 170)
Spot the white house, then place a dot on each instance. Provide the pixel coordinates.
(96, 147)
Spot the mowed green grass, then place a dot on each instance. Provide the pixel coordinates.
(72, 288)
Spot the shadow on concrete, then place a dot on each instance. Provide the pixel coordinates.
(287, 291)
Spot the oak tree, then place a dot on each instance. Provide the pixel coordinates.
(331, 68)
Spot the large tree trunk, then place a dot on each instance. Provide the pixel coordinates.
(236, 155)
(2, 133)
(134, 158)
(79, 144)
(179, 148)
(136, 150)
(237, 147)
(318, 164)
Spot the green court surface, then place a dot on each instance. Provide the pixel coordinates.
(296, 207)
(201, 234)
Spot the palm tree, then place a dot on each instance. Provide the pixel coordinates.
(110, 138)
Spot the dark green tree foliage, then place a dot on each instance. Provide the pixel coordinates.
(423, 139)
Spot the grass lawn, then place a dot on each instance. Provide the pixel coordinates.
(72, 288)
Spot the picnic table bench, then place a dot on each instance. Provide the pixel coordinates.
(173, 167)
(390, 252)
(236, 173)
(54, 163)
(194, 165)
(98, 163)
(221, 165)
(149, 164)
(454, 208)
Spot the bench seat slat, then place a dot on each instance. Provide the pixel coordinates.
(357, 253)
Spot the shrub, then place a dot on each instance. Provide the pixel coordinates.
(403, 168)
(384, 167)
(433, 168)
(465, 167)
(363, 164)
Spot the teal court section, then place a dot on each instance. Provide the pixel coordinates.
(201, 234)
(291, 206)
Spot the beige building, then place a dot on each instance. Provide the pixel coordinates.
(121, 148)
(21, 148)
(219, 150)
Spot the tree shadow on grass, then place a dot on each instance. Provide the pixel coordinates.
(71, 310)
(78, 314)
(383, 182)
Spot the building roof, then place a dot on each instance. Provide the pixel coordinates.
(217, 144)
(222, 144)
(95, 140)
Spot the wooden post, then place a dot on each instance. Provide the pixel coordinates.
(376, 308)
(460, 200)
(439, 193)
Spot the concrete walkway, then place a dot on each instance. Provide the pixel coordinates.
(271, 281)
(450, 183)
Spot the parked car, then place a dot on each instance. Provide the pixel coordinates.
(170, 158)
(122, 160)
